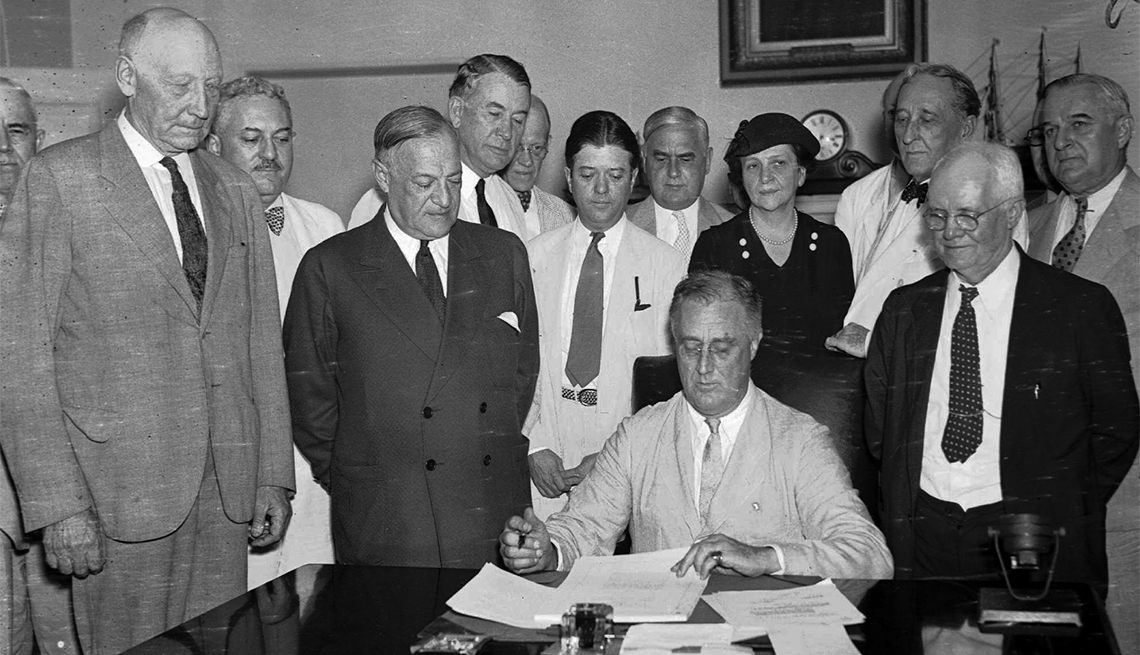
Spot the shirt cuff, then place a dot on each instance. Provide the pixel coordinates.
(535, 449)
(558, 555)
(779, 558)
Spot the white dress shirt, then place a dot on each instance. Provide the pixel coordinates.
(1097, 204)
(977, 481)
(730, 425)
(158, 178)
(579, 243)
(306, 225)
(667, 229)
(410, 246)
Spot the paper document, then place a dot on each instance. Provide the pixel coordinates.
(820, 603)
(496, 595)
(664, 638)
(641, 588)
(812, 640)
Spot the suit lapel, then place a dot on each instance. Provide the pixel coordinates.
(1109, 242)
(549, 294)
(752, 449)
(466, 275)
(386, 278)
(683, 451)
(619, 329)
(706, 215)
(217, 210)
(922, 340)
(644, 216)
(129, 202)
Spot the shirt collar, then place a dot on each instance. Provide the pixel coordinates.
(406, 242)
(613, 235)
(687, 211)
(144, 151)
(999, 282)
(1099, 201)
(731, 422)
(470, 179)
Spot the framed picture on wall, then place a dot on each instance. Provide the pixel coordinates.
(776, 41)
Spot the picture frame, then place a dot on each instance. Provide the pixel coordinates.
(777, 42)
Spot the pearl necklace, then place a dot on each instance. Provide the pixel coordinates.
(773, 242)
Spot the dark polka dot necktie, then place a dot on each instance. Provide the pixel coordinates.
(524, 198)
(275, 218)
(1068, 249)
(963, 431)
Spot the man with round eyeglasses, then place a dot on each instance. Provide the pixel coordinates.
(541, 211)
(998, 386)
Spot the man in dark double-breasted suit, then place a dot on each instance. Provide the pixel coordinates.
(412, 354)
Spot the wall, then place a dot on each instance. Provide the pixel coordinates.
(629, 56)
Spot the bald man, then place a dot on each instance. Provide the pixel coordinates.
(144, 414)
(541, 211)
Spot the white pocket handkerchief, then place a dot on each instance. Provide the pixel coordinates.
(511, 319)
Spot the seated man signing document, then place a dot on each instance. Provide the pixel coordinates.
(750, 485)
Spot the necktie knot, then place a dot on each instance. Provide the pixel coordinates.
(1082, 205)
(714, 425)
(595, 237)
(424, 249)
(524, 198)
(968, 293)
(915, 191)
(275, 218)
(169, 164)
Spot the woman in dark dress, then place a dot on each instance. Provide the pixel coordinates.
(799, 266)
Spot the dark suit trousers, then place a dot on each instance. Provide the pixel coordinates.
(147, 587)
(950, 542)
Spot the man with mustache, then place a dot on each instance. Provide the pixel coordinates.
(254, 131)
(144, 414)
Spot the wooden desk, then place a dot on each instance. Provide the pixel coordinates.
(352, 609)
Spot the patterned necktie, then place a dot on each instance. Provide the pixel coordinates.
(585, 357)
(683, 236)
(275, 217)
(712, 467)
(1068, 249)
(486, 214)
(429, 279)
(189, 231)
(963, 431)
(914, 191)
(524, 198)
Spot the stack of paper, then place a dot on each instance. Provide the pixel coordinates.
(817, 604)
(641, 589)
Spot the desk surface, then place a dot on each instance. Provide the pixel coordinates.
(355, 609)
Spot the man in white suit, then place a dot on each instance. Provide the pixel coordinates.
(1093, 230)
(542, 211)
(254, 131)
(750, 485)
(603, 287)
(676, 158)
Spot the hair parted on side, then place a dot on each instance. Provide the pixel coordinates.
(471, 70)
(708, 286)
(405, 124)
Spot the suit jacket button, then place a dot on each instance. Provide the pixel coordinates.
(430, 465)
(482, 408)
(486, 460)
(427, 412)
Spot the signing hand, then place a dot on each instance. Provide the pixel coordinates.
(74, 545)
(271, 514)
(548, 474)
(726, 555)
(525, 544)
(852, 339)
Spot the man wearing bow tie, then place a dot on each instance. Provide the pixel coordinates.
(254, 131)
(937, 108)
(542, 211)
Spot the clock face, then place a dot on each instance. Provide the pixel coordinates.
(831, 131)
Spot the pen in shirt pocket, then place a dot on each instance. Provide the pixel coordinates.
(1037, 391)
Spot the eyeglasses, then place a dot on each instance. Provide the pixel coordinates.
(538, 152)
(937, 221)
(1035, 136)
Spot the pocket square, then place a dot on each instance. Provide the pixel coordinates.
(511, 319)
